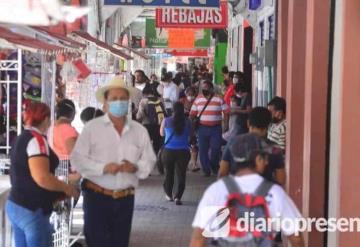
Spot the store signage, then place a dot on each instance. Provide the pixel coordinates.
(168, 3)
(189, 53)
(174, 38)
(193, 18)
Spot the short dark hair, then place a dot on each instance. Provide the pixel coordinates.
(141, 72)
(278, 103)
(90, 113)
(65, 108)
(231, 74)
(209, 83)
(225, 70)
(260, 117)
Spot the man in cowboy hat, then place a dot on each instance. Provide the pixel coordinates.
(112, 154)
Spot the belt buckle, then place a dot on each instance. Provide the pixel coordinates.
(115, 194)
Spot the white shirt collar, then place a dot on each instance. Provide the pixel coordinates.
(126, 128)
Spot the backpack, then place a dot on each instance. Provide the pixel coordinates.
(155, 111)
(240, 203)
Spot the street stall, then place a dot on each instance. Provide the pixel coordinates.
(28, 72)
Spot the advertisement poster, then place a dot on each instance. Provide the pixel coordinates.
(159, 37)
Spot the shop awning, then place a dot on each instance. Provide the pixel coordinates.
(64, 40)
(140, 54)
(101, 44)
(27, 42)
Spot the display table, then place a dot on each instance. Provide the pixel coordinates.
(5, 227)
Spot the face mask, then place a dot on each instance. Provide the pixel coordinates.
(206, 92)
(190, 98)
(119, 108)
(235, 80)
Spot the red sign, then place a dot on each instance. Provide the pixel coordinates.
(189, 53)
(192, 18)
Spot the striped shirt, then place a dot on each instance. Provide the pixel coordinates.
(212, 115)
(277, 133)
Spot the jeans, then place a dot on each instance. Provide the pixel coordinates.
(175, 162)
(210, 139)
(107, 221)
(31, 228)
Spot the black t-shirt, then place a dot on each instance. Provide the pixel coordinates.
(276, 159)
(24, 190)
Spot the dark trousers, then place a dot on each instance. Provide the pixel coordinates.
(175, 162)
(156, 138)
(210, 141)
(107, 222)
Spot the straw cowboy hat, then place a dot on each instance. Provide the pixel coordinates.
(116, 82)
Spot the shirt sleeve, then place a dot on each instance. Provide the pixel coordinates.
(148, 158)
(210, 204)
(37, 147)
(81, 157)
(287, 211)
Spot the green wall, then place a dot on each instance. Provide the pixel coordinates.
(219, 61)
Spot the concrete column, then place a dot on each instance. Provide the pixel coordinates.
(315, 117)
(344, 200)
(282, 35)
(295, 98)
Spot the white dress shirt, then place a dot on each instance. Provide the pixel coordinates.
(100, 144)
(170, 92)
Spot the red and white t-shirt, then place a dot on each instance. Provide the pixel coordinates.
(212, 115)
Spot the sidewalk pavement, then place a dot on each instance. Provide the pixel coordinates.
(160, 223)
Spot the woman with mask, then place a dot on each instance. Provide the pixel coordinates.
(176, 155)
(34, 186)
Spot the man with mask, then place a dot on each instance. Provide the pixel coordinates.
(112, 154)
(170, 92)
(211, 112)
(277, 130)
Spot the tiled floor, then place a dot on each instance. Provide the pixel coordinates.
(158, 222)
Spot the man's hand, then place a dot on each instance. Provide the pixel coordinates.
(128, 167)
(112, 168)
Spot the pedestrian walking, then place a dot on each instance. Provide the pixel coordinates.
(176, 155)
(112, 154)
(209, 112)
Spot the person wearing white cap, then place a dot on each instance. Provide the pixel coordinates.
(112, 154)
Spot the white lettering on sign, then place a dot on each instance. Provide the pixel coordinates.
(183, 16)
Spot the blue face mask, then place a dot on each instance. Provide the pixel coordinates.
(119, 108)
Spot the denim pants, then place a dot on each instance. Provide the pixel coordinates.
(210, 141)
(31, 228)
(107, 221)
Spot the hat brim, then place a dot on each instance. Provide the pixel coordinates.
(100, 93)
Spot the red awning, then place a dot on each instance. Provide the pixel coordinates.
(134, 51)
(62, 38)
(27, 41)
(102, 44)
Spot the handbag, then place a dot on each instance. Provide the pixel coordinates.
(196, 120)
(159, 163)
